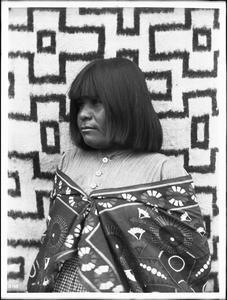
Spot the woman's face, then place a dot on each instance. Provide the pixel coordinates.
(91, 121)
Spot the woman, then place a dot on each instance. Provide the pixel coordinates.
(123, 217)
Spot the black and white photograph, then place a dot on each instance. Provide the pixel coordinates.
(113, 150)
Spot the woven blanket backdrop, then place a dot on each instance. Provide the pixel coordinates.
(178, 52)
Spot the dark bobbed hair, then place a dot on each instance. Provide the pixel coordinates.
(132, 122)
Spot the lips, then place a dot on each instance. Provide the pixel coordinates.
(84, 128)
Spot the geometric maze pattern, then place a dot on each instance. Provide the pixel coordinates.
(177, 49)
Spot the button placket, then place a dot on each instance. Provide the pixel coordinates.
(98, 173)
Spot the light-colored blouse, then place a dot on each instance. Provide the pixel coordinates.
(94, 170)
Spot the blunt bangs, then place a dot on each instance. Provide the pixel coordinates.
(82, 86)
(120, 85)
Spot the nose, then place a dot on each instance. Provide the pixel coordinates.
(85, 112)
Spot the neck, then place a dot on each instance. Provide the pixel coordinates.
(111, 152)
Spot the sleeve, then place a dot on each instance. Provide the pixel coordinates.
(62, 161)
(172, 168)
(67, 158)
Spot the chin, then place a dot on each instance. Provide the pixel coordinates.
(96, 145)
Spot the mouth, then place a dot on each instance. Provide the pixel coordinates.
(86, 128)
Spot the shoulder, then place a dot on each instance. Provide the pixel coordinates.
(159, 157)
(162, 167)
(67, 157)
(150, 159)
(172, 168)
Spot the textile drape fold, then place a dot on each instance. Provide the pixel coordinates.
(141, 238)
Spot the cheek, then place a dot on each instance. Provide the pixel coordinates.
(104, 127)
(78, 119)
(103, 120)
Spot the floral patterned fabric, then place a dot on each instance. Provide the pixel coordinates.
(143, 238)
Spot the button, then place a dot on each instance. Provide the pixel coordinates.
(93, 185)
(105, 160)
(98, 173)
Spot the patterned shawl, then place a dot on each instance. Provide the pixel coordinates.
(141, 238)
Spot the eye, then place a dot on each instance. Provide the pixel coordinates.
(80, 103)
(96, 102)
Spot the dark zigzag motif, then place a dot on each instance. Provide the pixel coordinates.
(88, 11)
(59, 98)
(195, 143)
(213, 192)
(34, 157)
(212, 93)
(170, 27)
(135, 30)
(17, 191)
(24, 243)
(11, 90)
(207, 224)
(215, 242)
(203, 169)
(39, 215)
(45, 34)
(213, 277)
(16, 275)
(204, 32)
(119, 11)
(167, 75)
(63, 57)
(137, 11)
(186, 72)
(50, 149)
